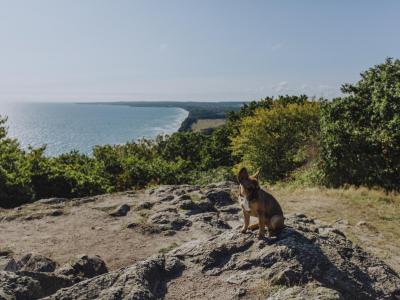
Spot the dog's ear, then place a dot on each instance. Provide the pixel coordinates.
(242, 175)
(256, 174)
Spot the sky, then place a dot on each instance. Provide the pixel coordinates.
(189, 50)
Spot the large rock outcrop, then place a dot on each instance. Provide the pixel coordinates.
(308, 260)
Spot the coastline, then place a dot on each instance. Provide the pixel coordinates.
(196, 110)
(179, 120)
(64, 127)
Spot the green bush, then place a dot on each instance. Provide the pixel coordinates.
(68, 175)
(277, 139)
(15, 187)
(360, 133)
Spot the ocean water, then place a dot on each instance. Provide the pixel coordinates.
(67, 126)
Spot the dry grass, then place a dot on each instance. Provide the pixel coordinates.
(168, 248)
(203, 124)
(370, 218)
(266, 288)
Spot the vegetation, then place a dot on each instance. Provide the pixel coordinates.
(351, 140)
(360, 137)
(180, 158)
(369, 217)
(277, 140)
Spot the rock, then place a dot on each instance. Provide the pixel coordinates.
(36, 263)
(145, 205)
(294, 259)
(35, 280)
(56, 213)
(169, 220)
(222, 184)
(306, 293)
(97, 228)
(53, 200)
(199, 207)
(24, 259)
(209, 222)
(188, 205)
(184, 196)
(13, 286)
(167, 198)
(362, 223)
(31, 217)
(145, 228)
(220, 197)
(79, 201)
(8, 264)
(84, 267)
(143, 280)
(5, 252)
(169, 232)
(308, 259)
(30, 285)
(49, 282)
(121, 211)
(327, 230)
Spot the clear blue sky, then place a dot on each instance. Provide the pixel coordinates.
(76, 50)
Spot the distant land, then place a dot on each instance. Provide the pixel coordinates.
(197, 110)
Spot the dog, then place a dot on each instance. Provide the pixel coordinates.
(258, 203)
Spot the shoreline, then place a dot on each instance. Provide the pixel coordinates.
(84, 130)
(196, 110)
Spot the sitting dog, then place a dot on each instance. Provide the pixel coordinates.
(258, 203)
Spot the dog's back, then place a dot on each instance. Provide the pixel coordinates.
(270, 204)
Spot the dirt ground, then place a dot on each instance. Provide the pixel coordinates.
(84, 229)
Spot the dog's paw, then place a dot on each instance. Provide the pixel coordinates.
(244, 230)
(261, 235)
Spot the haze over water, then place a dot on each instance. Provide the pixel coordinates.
(67, 126)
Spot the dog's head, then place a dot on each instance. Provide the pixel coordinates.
(248, 185)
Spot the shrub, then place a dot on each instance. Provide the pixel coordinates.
(15, 187)
(360, 133)
(275, 139)
(69, 175)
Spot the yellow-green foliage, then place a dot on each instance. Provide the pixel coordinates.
(277, 139)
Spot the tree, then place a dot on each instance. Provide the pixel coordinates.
(360, 133)
(273, 139)
(15, 187)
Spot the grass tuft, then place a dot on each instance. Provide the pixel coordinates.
(169, 248)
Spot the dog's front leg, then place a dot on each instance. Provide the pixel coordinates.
(261, 224)
(246, 217)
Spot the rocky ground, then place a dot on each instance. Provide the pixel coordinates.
(177, 242)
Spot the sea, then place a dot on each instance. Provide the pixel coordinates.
(63, 127)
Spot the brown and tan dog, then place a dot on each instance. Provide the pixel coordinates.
(258, 203)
